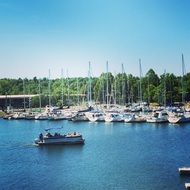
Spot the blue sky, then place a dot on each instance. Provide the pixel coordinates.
(38, 35)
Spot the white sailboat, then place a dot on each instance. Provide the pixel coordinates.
(179, 118)
(158, 117)
(95, 116)
(114, 117)
(134, 118)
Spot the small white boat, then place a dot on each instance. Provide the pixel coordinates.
(114, 117)
(133, 118)
(56, 117)
(158, 117)
(80, 116)
(179, 118)
(18, 116)
(59, 139)
(95, 116)
(42, 116)
(30, 116)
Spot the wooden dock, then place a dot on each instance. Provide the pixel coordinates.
(184, 171)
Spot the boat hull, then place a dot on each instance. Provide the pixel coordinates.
(60, 140)
(179, 120)
(60, 143)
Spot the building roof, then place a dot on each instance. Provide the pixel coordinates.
(18, 96)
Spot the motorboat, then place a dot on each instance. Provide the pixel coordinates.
(179, 118)
(59, 139)
(18, 116)
(8, 116)
(42, 116)
(80, 116)
(95, 116)
(30, 116)
(114, 117)
(56, 117)
(133, 118)
(158, 117)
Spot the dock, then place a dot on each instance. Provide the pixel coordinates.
(187, 185)
(184, 171)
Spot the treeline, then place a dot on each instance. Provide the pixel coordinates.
(119, 89)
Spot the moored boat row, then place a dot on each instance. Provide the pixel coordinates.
(162, 116)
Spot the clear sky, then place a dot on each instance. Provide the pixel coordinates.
(38, 35)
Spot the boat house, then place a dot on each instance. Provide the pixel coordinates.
(16, 101)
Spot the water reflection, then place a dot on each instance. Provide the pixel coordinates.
(60, 147)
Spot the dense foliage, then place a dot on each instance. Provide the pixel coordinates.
(121, 88)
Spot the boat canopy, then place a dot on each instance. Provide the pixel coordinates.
(48, 129)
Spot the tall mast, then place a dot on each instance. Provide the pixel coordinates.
(89, 86)
(77, 91)
(29, 100)
(164, 88)
(140, 85)
(68, 88)
(49, 89)
(62, 87)
(128, 89)
(107, 100)
(24, 95)
(103, 90)
(148, 89)
(182, 79)
(123, 85)
(115, 102)
(39, 89)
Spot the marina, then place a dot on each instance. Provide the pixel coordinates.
(124, 152)
(114, 114)
(94, 95)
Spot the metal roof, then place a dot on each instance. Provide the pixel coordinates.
(18, 96)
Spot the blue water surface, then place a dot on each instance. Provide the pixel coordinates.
(114, 156)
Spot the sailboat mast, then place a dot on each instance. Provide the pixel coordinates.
(68, 89)
(164, 88)
(49, 89)
(24, 95)
(107, 100)
(62, 87)
(140, 82)
(128, 89)
(89, 86)
(148, 89)
(115, 102)
(182, 80)
(77, 91)
(103, 90)
(123, 84)
(39, 89)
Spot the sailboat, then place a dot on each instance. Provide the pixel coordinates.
(181, 117)
(45, 115)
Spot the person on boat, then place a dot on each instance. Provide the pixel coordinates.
(49, 134)
(41, 137)
(56, 134)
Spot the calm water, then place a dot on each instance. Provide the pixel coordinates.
(115, 156)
